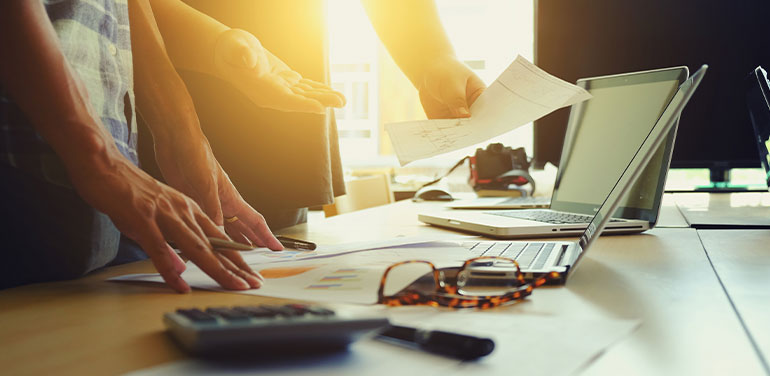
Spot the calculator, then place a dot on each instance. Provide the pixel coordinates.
(262, 329)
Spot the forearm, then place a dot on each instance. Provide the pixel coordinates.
(190, 34)
(411, 31)
(41, 82)
(162, 98)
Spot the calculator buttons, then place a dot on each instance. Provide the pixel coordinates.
(196, 315)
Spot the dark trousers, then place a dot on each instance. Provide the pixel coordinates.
(49, 233)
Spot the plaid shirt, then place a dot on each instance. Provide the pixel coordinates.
(95, 39)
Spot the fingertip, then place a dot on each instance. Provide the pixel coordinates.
(185, 289)
(463, 112)
(238, 283)
(254, 282)
(178, 284)
(275, 245)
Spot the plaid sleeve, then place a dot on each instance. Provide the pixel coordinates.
(96, 40)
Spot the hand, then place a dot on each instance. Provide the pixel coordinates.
(152, 213)
(188, 164)
(240, 59)
(448, 88)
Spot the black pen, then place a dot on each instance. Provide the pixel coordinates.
(296, 243)
(456, 345)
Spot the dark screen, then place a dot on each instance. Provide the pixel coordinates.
(585, 38)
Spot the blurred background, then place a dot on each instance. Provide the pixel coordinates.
(487, 36)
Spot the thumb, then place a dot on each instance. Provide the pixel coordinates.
(456, 103)
(239, 48)
(453, 96)
(240, 54)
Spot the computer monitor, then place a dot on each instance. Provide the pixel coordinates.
(583, 38)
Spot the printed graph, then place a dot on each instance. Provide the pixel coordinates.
(340, 279)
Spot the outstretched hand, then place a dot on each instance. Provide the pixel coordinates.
(448, 88)
(240, 59)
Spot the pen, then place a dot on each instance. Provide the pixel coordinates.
(296, 243)
(222, 244)
(456, 345)
(218, 243)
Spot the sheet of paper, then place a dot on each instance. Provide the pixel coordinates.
(266, 256)
(524, 345)
(521, 94)
(345, 278)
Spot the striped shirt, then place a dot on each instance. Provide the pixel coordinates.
(96, 41)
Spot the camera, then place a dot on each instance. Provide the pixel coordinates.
(498, 167)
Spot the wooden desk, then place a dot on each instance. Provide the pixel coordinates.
(663, 278)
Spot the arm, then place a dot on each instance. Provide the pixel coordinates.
(34, 70)
(181, 149)
(236, 56)
(184, 27)
(412, 32)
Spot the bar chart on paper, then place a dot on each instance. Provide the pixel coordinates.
(340, 280)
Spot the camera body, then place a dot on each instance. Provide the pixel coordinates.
(497, 167)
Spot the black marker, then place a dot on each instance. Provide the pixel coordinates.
(456, 345)
(296, 243)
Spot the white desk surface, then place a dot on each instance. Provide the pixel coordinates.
(741, 259)
(718, 209)
(662, 278)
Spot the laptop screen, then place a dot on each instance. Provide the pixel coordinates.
(640, 155)
(604, 132)
(758, 101)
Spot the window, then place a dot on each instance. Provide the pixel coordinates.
(487, 35)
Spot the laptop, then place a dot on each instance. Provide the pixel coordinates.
(758, 102)
(602, 133)
(538, 258)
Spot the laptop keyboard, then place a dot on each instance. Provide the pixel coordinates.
(548, 216)
(529, 200)
(528, 255)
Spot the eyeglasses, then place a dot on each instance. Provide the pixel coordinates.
(481, 282)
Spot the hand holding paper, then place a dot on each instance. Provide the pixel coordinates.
(521, 94)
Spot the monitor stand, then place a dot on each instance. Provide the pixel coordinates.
(720, 182)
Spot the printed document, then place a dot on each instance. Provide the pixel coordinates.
(521, 94)
(345, 277)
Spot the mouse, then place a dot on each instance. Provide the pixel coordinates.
(432, 193)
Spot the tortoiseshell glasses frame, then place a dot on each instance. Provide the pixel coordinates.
(446, 295)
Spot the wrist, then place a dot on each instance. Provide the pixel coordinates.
(88, 153)
(423, 68)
